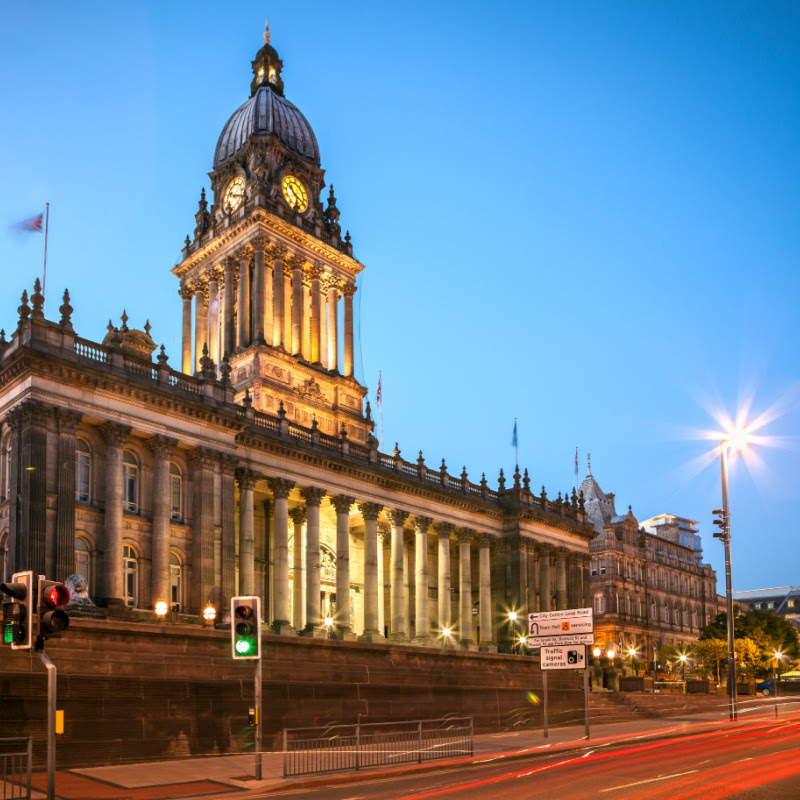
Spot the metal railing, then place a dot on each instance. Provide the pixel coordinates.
(16, 757)
(339, 748)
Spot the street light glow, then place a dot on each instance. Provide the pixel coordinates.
(161, 608)
(512, 615)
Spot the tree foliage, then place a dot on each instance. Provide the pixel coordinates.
(712, 653)
(757, 635)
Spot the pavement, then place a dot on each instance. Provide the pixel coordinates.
(232, 777)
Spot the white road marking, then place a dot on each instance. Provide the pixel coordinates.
(749, 758)
(587, 754)
(651, 780)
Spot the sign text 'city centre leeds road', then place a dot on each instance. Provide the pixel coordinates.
(563, 657)
(569, 626)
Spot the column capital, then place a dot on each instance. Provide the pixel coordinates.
(331, 282)
(384, 532)
(315, 272)
(68, 420)
(342, 503)
(114, 434)
(280, 487)
(203, 458)
(186, 292)
(162, 446)
(294, 262)
(465, 535)
(246, 478)
(348, 289)
(230, 263)
(561, 553)
(398, 517)
(422, 523)
(244, 253)
(312, 495)
(276, 251)
(370, 510)
(259, 242)
(298, 514)
(228, 464)
(443, 529)
(485, 540)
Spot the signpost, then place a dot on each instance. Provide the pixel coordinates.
(563, 636)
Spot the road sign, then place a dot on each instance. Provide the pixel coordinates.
(566, 622)
(564, 657)
(554, 641)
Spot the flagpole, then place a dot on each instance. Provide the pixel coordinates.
(44, 272)
(576, 468)
(516, 444)
(380, 408)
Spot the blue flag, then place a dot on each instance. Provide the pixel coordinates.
(514, 436)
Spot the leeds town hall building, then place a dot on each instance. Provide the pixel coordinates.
(250, 465)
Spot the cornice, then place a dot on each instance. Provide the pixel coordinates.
(248, 227)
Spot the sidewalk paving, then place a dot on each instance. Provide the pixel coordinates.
(233, 776)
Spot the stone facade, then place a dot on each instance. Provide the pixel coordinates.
(253, 469)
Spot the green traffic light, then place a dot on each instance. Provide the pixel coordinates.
(243, 646)
(8, 634)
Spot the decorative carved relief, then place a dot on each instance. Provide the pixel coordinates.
(309, 390)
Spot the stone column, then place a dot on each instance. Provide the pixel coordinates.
(372, 631)
(186, 330)
(533, 581)
(228, 332)
(68, 422)
(228, 466)
(545, 590)
(162, 448)
(465, 587)
(485, 598)
(384, 537)
(259, 244)
(323, 321)
(269, 287)
(314, 623)
(423, 621)
(561, 579)
(213, 318)
(280, 491)
(348, 290)
(200, 323)
(397, 631)
(114, 436)
(243, 298)
(333, 326)
(409, 610)
(342, 505)
(296, 264)
(287, 305)
(204, 463)
(443, 531)
(298, 515)
(246, 479)
(316, 303)
(277, 296)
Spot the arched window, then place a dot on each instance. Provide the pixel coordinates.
(175, 483)
(665, 613)
(175, 582)
(130, 482)
(696, 618)
(83, 560)
(599, 603)
(4, 571)
(83, 472)
(130, 574)
(653, 610)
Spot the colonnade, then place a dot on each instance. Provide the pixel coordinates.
(265, 295)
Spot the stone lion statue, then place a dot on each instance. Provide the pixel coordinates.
(78, 591)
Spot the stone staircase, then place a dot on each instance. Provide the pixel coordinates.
(610, 707)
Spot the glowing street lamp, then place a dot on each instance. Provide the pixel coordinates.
(161, 609)
(209, 614)
(682, 658)
(778, 657)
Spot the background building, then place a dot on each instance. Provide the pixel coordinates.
(783, 600)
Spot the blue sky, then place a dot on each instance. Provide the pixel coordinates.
(582, 215)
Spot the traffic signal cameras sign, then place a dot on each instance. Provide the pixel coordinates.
(18, 611)
(246, 627)
(53, 597)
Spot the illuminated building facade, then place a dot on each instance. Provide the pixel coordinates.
(252, 469)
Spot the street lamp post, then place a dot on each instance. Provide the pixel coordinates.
(724, 533)
(775, 680)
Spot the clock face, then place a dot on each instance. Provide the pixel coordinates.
(234, 195)
(295, 193)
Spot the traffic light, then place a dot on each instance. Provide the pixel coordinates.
(246, 627)
(53, 620)
(721, 522)
(18, 612)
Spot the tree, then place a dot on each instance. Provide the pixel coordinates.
(766, 629)
(749, 658)
(712, 652)
(668, 653)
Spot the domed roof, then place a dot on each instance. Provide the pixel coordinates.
(266, 113)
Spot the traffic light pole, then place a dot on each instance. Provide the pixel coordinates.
(51, 720)
(258, 720)
(723, 447)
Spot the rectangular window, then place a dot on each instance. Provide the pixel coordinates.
(602, 567)
(594, 568)
(82, 473)
(175, 495)
(790, 603)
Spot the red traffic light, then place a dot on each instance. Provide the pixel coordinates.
(243, 612)
(56, 595)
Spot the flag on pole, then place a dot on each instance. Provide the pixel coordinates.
(379, 402)
(514, 435)
(577, 482)
(378, 393)
(32, 225)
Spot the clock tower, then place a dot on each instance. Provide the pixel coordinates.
(267, 280)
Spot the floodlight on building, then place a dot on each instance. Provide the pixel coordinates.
(611, 652)
(596, 652)
(512, 615)
(209, 614)
(161, 609)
